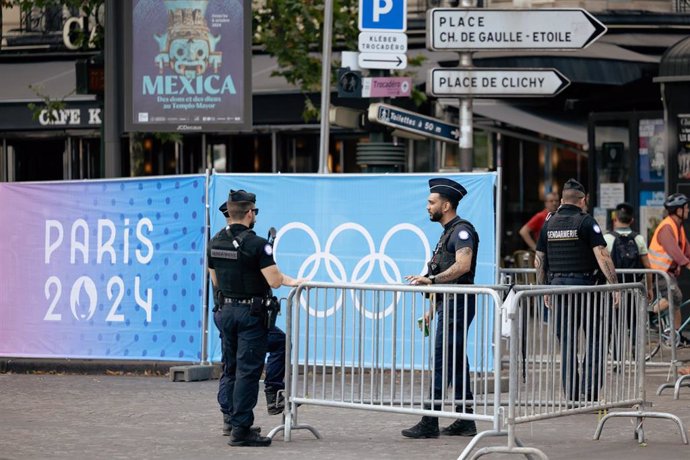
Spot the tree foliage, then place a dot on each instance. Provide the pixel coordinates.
(292, 32)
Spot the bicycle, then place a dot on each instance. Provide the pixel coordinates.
(660, 323)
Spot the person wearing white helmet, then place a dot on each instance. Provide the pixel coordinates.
(669, 251)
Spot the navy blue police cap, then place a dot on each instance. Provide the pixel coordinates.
(626, 207)
(241, 195)
(572, 184)
(448, 188)
(223, 208)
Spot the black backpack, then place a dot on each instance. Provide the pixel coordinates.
(625, 253)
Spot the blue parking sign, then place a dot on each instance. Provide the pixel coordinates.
(384, 15)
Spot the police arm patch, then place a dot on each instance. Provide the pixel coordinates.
(463, 234)
(597, 228)
(268, 249)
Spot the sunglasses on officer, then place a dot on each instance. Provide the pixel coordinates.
(254, 210)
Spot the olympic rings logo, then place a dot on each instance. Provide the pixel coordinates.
(362, 270)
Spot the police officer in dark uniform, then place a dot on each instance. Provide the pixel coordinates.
(242, 267)
(454, 262)
(571, 251)
(274, 380)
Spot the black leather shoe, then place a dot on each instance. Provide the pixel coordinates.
(252, 439)
(426, 428)
(460, 428)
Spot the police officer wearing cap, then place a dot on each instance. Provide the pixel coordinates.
(274, 380)
(454, 262)
(242, 267)
(571, 251)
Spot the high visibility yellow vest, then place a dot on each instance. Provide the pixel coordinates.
(658, 257)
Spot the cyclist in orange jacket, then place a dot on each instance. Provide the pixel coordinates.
(669, 251)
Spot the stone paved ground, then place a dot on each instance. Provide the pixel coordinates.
(139, 417)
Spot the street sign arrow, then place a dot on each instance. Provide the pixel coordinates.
(487, 82)
(474, 29)
(395, 117)
(382, 61)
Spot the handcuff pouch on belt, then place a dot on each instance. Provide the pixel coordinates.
(266, 308)
(218, 300)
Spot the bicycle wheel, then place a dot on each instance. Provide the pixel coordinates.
(652, 350)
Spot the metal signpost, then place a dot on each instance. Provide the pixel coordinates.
(486, 82)
(398, 118)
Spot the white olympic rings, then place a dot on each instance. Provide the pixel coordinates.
(360, 273)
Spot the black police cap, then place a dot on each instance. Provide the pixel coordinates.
(223, 208)
(625, 207)
(572, 184)
(448, 188)
(241, 195)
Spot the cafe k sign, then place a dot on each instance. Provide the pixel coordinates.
(75, 117)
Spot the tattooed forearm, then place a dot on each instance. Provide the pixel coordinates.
(606, 264)
(539, 265)
(462, 265)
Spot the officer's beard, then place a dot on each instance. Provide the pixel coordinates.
(435, 216)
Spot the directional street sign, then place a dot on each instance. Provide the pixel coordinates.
(382, 42)
(486, 82)
(386, 87)
(383, 15)
(467, 29)
(405, 120)
(382, 60)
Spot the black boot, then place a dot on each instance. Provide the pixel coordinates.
(244, 437)
(461, 427)
(426, 428)
(227, 426)
(275, 402)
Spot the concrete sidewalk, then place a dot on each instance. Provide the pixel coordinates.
(127, 417)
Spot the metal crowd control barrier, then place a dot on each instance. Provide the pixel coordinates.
(359, 346)
(586, 354)
(661, 340)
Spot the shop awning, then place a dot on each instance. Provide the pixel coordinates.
(574, 131)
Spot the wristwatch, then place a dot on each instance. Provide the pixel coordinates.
(432, 278)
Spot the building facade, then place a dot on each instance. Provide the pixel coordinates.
(603, 129)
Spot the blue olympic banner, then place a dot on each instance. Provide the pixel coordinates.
(103, 269)
(366, 228)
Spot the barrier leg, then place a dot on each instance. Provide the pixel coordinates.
(290, 423)
(640, 416)
(509, 449)
(672, 373)
(484, 434)
(526, 451)
(679, 383)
